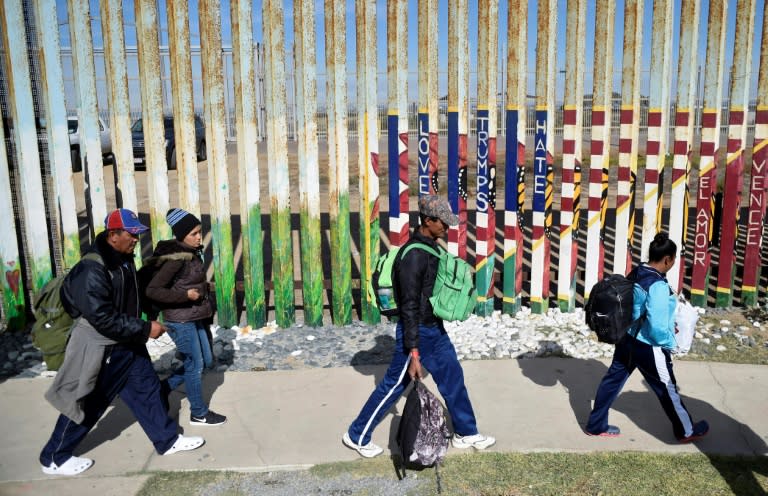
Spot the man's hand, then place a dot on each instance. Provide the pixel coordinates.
(193, 294)
(414, 368)
(157, 330)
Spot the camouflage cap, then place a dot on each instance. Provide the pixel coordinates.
(434, 206)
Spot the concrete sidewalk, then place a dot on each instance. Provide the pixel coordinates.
(294, 419)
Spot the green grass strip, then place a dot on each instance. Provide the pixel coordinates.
(480, 474)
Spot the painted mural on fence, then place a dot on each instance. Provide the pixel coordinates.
(513, 246)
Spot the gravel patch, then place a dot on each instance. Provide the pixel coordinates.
(498, 336)
(303, 482)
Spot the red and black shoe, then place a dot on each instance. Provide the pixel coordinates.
(700, 429)
(611, 431)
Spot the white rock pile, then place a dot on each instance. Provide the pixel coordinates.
(498, 336)
(526, 335)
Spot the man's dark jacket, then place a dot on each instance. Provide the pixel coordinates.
(414, 278)
(107, 295)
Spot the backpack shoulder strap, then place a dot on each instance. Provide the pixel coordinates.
(644, 283)
(422, 247)
(647, 279)
(92, 255)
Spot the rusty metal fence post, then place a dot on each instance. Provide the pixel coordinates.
(152, 117)
(458, 121)
(514, 185)
(38, 256)
(599, 160)
(683, 143)
(428, 109)
(572, 142)
(485, 235)
(247, 162)
(368, 152)
(13, 286)
(309, 171)
(87, 113)
(543, 155)
(338, 166)
(185, 153)
(658, 121)
(629, 130)
(218, 180)
(741, 76)
(758, 191)
(57, 131)
(397, 120)
(709, 148)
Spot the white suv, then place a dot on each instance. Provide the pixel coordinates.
(74, 143)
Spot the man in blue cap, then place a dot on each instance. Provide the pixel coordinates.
(106, 354)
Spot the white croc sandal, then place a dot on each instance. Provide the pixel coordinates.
(75, 465)
(185, 443)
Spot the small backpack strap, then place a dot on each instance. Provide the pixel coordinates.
(92, 255)
(422, 247)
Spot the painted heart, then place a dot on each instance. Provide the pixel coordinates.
(13, 277)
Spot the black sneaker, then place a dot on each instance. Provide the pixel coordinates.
(210, 418)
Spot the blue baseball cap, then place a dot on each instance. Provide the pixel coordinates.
(125, 220)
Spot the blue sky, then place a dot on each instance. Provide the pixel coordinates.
(443, 37)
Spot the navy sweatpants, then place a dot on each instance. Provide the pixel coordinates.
(438, 356)
(130, 375)
(655, 364)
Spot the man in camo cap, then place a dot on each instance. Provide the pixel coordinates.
(420, 338)
(437, 208)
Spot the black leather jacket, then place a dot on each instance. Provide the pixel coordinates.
(106, 295)
(414, 278)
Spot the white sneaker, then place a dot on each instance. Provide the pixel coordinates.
(73, 466)
(185, 443)
(477, 441)
(368, 451)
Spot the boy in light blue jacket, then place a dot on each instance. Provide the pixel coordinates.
(648, 348)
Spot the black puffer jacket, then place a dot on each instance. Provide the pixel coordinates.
(414, 278)
(106, 295)
(180, 269)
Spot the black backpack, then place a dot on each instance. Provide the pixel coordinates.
(608, 311)
(143, 277)
(422, 435)
(149, 268)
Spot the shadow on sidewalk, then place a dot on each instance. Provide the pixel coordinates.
(725, 436)
(369, 362)
(120, 417)
(580, 378)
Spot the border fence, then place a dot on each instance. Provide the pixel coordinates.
(566, 182)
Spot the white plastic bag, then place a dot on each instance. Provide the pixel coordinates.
(686, 317)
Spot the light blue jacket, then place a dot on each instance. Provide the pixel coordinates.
(658, 303)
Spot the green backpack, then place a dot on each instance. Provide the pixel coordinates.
(50, 332)
(453, 298)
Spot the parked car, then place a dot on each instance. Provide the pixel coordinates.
(137, 137)
(74, 143)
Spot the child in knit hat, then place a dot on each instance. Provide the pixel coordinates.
(179, 287)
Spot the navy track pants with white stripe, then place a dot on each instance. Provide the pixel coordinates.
(655, 364)
(438, 356)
